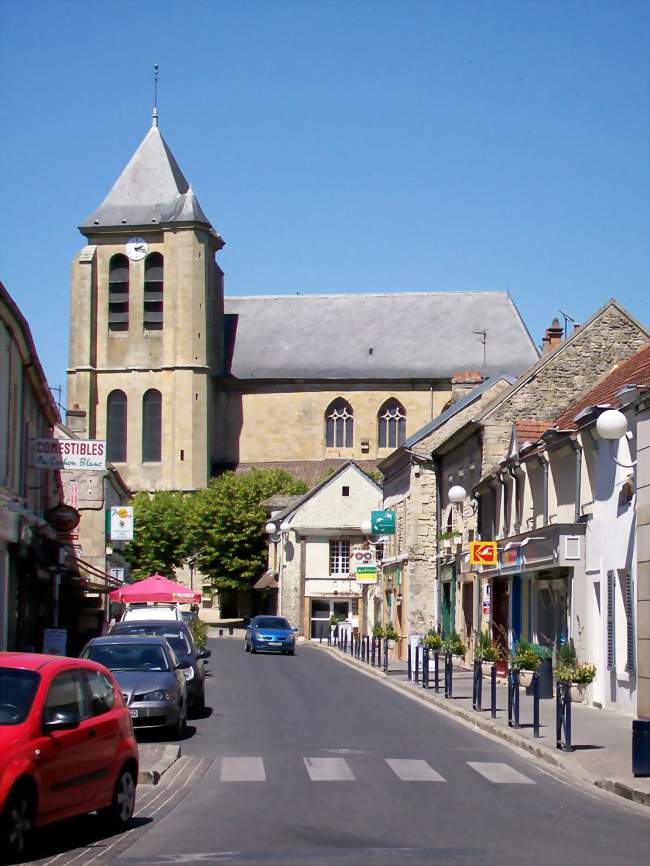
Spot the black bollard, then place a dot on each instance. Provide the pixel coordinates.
(372, 651)
(385, 653)
(536, 704)
(449, 683)
(477, 691)
(436, 671)
(425, 668)
(417, 665)
(513, 698)
(493, 692)
(409, 666)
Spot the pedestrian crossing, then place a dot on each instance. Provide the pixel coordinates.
(252, 769)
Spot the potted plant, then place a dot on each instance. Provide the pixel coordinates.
(391, 634)
(378, 631)
(454, 646)
(570, 670)
(526, 661)
(432, 641)
(487, 653)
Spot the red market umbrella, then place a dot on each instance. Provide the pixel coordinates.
(155, 588)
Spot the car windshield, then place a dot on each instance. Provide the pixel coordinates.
(17, 690)
(128, 656)
(271, 622)
(176, 637)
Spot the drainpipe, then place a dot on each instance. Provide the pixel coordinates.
(435, 462)
(577, 447)
(544, 464)
(504, 492)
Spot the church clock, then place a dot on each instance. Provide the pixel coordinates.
(136, 249)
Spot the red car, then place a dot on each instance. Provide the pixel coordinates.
(66, 745)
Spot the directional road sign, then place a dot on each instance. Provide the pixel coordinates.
(383, 522)
(483, 553)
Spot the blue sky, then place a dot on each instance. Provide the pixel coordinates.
(341, 145)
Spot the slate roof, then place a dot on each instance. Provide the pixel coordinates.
(151, 190)
(402, 335)
(633, 371)
(311, 472)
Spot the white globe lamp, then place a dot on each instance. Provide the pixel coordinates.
(285, 527)
(366, 527)
(270, 528)
(611, 424)
(457, 494)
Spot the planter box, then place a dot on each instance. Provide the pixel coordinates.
(577, 693)
(525, 679)
(486, 668)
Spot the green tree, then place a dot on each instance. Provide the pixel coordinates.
(226, 525)
(160, 538)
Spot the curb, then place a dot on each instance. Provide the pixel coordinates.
(152, 776)
(538, 750)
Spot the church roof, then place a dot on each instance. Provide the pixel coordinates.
(403, 335)
(152, 190)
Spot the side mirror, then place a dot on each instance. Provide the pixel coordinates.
(205, 654)
(61, 721)
(184, 665)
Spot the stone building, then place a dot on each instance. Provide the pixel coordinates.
(183, 382)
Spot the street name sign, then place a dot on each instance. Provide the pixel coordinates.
(483, 552)
(382, 522)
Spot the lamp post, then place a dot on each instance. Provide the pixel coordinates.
(276, 536)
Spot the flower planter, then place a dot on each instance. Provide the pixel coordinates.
(486, 668)
(525, 679)
(577, 693)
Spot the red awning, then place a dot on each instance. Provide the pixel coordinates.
(155, 588)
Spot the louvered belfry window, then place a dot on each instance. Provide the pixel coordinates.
(118, 293)
(153, 292)
(339, 425)
(392, 424)
(611, 620)
(151, 426)
(116, 411)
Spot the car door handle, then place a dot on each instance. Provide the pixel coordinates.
(92, 732)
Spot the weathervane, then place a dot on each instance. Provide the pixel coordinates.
(154, 116)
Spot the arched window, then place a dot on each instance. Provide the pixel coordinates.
(392, 424)
(116, 427)
(153, 292)
(151, 426)
(118, 293)
(339, 424)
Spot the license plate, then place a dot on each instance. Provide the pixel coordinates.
(133, 713)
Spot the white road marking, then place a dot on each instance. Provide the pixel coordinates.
(329, 770)
(242, 770)
(500, 774)
(409, 770)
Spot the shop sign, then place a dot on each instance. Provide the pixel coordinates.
(63, 518)
(121, 523)
(510, 558)
(55, 641)
(361, 556)
(483, 552)
(366, 574)
(487, 598)
(382, 522)
(117, 574)
(86, 454)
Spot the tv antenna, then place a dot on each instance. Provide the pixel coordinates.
(483, 339)
(154, 116)
(567, 319)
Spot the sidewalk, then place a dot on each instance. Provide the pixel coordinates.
(602, 741)
(155, 760)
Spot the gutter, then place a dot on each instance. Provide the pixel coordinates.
(577, 447)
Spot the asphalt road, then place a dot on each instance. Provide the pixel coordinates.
(307, 761)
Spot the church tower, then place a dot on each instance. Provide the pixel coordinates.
(146, 325)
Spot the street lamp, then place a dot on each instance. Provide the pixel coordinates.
(612, 426)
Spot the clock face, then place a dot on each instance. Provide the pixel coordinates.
(136, 249)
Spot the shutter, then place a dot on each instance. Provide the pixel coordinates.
(630, 667)
(611, 607)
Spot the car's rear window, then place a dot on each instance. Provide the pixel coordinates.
(128, 656)
(271, 622)
(17, 690)
(175, 636)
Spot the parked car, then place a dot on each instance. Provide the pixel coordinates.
(270, 633)
(140, 612)
(66, 746)
(181, 641)
(150, 675)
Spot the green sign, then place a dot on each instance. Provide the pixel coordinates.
(383, 522)
(366, 574)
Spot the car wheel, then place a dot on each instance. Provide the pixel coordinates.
(292, 652)
(181, 725)
(246, 647)
(18, 821)
(118, 815)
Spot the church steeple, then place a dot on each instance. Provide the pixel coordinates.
(152, 191)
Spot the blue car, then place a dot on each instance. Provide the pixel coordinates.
(272, 634)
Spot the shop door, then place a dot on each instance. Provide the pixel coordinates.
(468, 609)
(448, 607)
(500, 609)
(320, 617)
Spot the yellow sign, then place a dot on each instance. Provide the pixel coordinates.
(483, 552)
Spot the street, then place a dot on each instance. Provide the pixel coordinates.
(251, 785)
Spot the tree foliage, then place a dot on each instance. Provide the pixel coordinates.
(218, 530)
(226, 525)
(160, 534)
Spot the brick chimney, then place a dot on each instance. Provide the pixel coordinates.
(76, 419)
(553, 337)
(464, 382)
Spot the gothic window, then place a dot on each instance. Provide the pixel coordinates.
(151, 426)
(118, 293)
(116, 427)
(339, 557)
(153, 292)
(392, 424)
(339, 424)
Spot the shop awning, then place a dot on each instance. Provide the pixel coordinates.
(156, 587)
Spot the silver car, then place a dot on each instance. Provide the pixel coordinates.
(150, 676)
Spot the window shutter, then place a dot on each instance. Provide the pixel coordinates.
(611, 607)
(630, 667)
